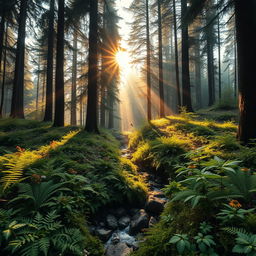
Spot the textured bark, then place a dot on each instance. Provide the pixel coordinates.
(210, 57)
(186, 90)
(49, 81)
(160, 62)
(177, 72)
(149, 115)
(219, 57)
(59, 77)
(92, 104)
(37, 88)
(198, 72)
(17, 108)
(246, 53)
(111, 110)
(103, 80)
(4, 73)
(2, 25)
(235, 68)
(74, 76)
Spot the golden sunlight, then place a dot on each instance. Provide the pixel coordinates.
(123, 59)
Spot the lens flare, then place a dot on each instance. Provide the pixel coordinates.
(123, 59)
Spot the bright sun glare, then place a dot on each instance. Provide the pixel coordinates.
(123, 59)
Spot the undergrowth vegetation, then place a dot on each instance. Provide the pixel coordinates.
(52, 181)
(211, 187)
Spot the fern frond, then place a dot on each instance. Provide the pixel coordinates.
(235, 230)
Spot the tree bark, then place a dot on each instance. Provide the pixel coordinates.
(186, 90)
(246, 53)
(160, 63)
(210, 55)
(177, 72)
(37, 89)
(149, 115)
(49, 82)
(235, 70)
(59, 77)
(4, 72)
(17, 107)
(111, 110)
(219, 57)
(92, 104)
(2, 25)
(103, 80)
(198, 71)
(74, 76)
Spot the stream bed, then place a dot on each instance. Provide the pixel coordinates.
(122, 229)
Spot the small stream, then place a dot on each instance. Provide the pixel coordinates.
(122, 229)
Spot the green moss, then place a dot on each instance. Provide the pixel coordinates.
(147, 132)
(62, 154)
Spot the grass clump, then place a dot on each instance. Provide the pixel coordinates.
(147, 132)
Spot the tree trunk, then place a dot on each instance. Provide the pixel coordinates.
(177, 72)
(103, 79)
(92, 104)
(186, 90)
(111, 110)
(2, 24)
(74, 76)
(17, 107)
(81, 110)
(246, 53)
(49, 82)
(59, 77)
(160, 63)
(210, 56)
(37, 89)
(219, 57)
(4, 72)
(43, 90)
(198, 72)
(149, 115)
(235, 70)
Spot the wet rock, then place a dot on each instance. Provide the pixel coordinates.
(134, 211)
(155, 205)
(158, 194)
(139, 222)
(102, 224)
(115, 239)
(111, 222)
(120, 212)
(120, 249)
(155, 185)
(152, 221)
(103, 234)
(123, 222)
(92, 230)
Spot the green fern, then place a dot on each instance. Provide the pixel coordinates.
(39, 195)
(45, 234)
(235, 230)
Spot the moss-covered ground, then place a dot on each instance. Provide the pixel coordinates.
(210, 181)
(65, 172)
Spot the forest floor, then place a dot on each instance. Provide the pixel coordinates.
(111, 191)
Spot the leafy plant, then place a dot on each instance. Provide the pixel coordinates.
(205, 242)
(241, 183)
(45, 235)
(182, 243)
(230, 214)
(245, 244)
(38, 195)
